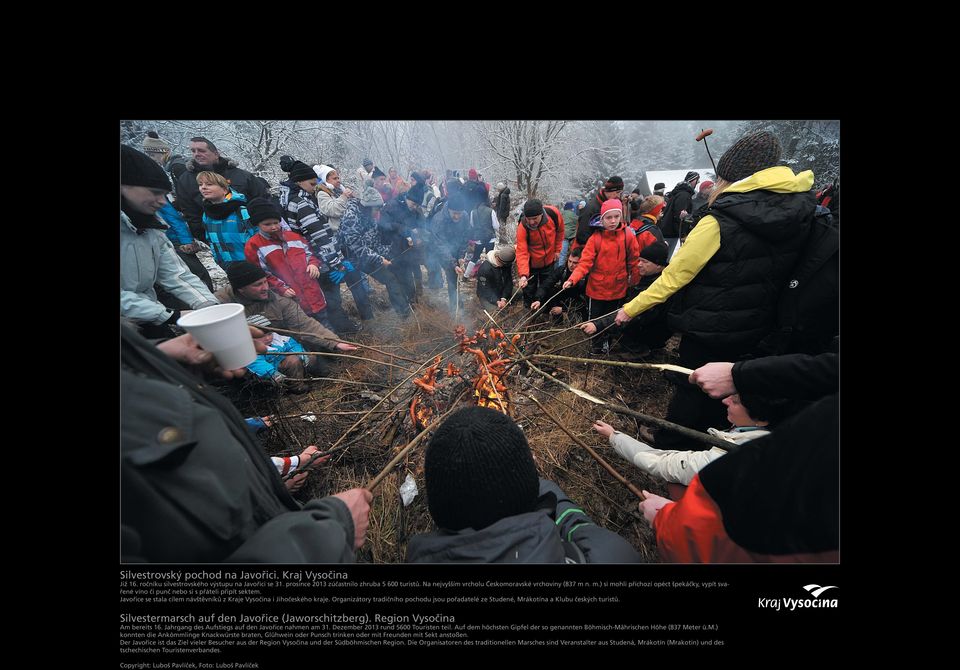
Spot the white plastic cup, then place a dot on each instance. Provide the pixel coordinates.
(222, 330)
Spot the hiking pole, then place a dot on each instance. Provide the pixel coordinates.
(606, 466)
(703, 136)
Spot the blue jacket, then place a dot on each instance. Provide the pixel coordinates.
(267, 365)
(227, 228)
(178, 232)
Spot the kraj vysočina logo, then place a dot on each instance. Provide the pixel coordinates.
(790, 604)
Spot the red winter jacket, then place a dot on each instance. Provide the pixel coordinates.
(286, 266)
(691, 531)
(539, 247)
(607, 257)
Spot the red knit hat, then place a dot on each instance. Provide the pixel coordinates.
(472, 174)
(705, 185)
(610, 205)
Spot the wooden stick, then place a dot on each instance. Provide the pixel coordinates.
(493, 385)
(623, 364)
(539, 309)
(606, 466)
(333, 339)
(646, 418)
(729, 447)
(375, 482)
(327, 353)
(340, 381)
(387, 395)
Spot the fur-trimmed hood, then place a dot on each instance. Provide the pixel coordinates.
(222, 165)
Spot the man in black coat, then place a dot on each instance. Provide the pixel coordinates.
(679, 204)
(611, 189)
(206, 157)
(196, 487)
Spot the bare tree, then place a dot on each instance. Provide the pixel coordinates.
(528, 148)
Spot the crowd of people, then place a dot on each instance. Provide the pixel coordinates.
(744, 269)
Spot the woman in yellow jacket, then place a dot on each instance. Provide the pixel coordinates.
(724, 282)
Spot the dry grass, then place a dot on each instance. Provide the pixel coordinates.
(381, 435)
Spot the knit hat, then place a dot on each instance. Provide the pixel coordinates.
(501, 185)
(456, 203)
(322, 172)
(301, 172)
(415, 193)
(244, 274)
(568, 205)
(532, 208)
(659, 186)
(610, 205)
(472, 174)
(286, 163)
(261, 209)
(502, 256)
(370, 197)
(366, 162)
(152, 144)
(705, 185)
(655, 253)
(613, 184)
(691, 175)
(138, 169)
(478, 470)
(751, 153)
(582, 204)
(377, 172)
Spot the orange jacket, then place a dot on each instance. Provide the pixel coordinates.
(611, 259)
(539, 248)
(691, 531)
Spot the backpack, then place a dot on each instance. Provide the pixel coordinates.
(557, 219)
(808, 308)
(829, 197)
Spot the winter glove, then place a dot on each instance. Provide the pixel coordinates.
(337, 276)
(258, 320)
(348, 265)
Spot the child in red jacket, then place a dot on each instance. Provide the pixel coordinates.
(609, 261)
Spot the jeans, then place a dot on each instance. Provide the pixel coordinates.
(564, 250)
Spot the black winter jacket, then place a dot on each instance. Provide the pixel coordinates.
(535, 537)
(586, 214)
(195, 487)
(494, 283)
(731, 305)
(794, 376)
(780, 494)
(188, 190)
(681, 198)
